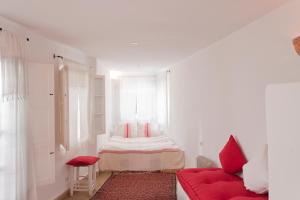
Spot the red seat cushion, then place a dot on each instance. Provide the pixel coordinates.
(249, 198)
(231, 157)
(214, 184)
(83, 161)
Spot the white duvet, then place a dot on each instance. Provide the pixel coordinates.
(140, 143)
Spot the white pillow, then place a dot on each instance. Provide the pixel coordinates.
(255, 173)
(153, 129)
(141, 129)
(133, 130)
(120, 129)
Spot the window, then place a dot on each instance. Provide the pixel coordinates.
(140, 98)
(78, 90)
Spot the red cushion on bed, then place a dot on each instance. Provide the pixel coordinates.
(231, 157)
(213, 183)
(147, 131)
(126, 130)
(83, 161)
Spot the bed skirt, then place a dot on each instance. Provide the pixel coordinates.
(139, 160)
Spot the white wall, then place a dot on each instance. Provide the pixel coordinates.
(221, 89)
(40, 50)
(283, 114)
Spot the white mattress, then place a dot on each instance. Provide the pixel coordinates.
(140, 143)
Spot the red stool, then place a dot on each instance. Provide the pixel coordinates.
(75, 164)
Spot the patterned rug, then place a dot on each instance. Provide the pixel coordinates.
(138, 186)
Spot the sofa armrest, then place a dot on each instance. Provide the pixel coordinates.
(203, 162)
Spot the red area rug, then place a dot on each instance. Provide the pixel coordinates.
(138, 186)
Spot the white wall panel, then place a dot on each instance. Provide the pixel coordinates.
(283, 124)
(41, 120)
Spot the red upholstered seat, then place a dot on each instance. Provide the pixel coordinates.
(249, 198)
(214, 184)
(83, 161)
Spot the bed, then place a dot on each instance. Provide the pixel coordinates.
(141, 154)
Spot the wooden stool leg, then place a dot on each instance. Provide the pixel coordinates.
(77, 177)
(71, 180)
(99, 166)
(90, 180)
(94, 176)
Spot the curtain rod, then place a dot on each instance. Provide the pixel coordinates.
(57, 56)
(1, 29)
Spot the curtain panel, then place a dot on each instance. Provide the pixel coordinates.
(17, 180)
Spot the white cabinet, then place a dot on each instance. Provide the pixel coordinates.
(41, 120)
(283, 125)
(99, 104)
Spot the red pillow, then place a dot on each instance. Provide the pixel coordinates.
(83, 161)
(231, 157)
(147, 130)
(126, 130)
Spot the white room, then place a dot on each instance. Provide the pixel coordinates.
(149, 100)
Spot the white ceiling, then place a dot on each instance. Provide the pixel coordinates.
(166, 31)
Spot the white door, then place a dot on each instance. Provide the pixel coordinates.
(41, 120)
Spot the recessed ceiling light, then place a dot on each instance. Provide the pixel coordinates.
(133, 43)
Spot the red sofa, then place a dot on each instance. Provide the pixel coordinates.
(214, 184)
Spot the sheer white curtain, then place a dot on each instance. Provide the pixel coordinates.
(16, 173)
(78, 84)
(140, 98)
(146, 99)
(162, 86)
(128, 99)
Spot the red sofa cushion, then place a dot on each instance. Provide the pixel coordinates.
(231, 157)
(249, 198)
(214, 184)
(83, 161)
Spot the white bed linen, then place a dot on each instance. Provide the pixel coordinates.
(141, 143)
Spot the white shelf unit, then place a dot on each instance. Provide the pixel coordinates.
(100, 104)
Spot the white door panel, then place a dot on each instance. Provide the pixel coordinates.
(41, 120)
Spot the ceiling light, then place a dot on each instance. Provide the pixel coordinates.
(133, 44)
(296, 43)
